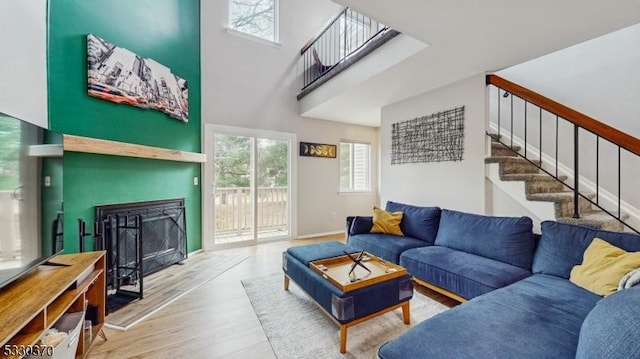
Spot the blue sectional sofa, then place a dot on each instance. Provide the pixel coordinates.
(541, 315)
(460, 254)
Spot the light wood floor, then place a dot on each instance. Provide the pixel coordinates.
(214, 321)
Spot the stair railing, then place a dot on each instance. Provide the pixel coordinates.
(347, 33)
(557, 116)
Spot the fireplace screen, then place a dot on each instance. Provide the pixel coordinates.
(141, 238)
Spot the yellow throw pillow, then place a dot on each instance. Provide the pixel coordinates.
(603, 266)
(386, 222)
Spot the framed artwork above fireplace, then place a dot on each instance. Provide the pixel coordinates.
(118, 75)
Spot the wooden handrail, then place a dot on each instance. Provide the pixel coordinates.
(617, 137)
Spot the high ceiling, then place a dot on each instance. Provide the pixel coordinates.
(467, 37)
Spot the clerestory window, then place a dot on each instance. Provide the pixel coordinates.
(257, 18)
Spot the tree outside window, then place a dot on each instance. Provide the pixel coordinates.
(355, 168)
(254, 17)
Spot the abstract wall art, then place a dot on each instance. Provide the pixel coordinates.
(118, 75)
(434, 138)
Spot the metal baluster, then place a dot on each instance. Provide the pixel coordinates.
(512, 121)
(525, 129)
(540, 148)
(344, 35)
(619, 185)
(499, 100)
(597, 170)
(557, 137)
(576, 179)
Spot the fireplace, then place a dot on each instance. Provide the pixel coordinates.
(140, 238)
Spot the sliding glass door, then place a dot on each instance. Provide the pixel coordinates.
(250, 187)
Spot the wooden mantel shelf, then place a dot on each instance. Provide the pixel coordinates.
(114, 148)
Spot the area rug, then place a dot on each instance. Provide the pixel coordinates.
(297, 328)
(168, 285)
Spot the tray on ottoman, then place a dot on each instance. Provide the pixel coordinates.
(337, 271)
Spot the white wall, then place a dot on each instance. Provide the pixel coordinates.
(500, 203)
(23, 64)
(453, 185)
(251, 84)
(600, 78)
(321, 208)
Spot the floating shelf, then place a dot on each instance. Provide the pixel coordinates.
(45, 151)
(115, 148)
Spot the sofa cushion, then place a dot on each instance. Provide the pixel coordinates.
(386, 246)
(611, 329)
(310, 253)
(506, 239)
(467, 275)
(603, 266)
(386, 222)
(537, 317)
(562, 246)
(417, 222)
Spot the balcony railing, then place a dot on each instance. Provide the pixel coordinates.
(234, 211)
(345, 35)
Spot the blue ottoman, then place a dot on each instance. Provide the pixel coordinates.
(345, 308)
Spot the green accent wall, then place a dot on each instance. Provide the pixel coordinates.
(167, 31)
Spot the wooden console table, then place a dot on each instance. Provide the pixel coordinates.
(32, 304)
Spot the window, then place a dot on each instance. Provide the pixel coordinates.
(255, 17)
(355, 169)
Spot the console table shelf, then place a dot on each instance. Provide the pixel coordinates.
(32, 304)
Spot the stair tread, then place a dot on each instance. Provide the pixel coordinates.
(598, 216)
(556, 196)
(595, 219)
(500, 145)
(502, 159)
(532, 177)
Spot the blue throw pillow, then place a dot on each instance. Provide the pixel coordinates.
(417, 222)
(506, 239)
(361, 225)
(562, 246)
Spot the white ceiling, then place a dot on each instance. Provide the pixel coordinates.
(467, 37)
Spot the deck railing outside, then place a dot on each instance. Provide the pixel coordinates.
(233, 211)
(343, 36)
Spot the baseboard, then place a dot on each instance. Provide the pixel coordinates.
(307, 236)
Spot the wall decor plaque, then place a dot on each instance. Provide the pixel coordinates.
(309, 149)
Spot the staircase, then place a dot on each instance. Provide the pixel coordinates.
(542, 187)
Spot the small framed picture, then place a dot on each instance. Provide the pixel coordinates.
(309, 149)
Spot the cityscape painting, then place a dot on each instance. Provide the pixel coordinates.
(118, 75)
